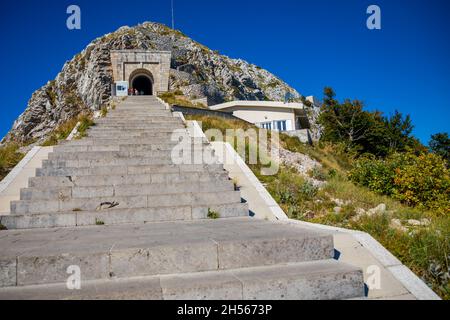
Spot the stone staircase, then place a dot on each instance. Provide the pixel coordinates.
(138, 226)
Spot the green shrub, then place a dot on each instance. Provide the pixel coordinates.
(416, 180)
(332, 173)
(308, 190)
(213, 214)
(377, 175)
(318, 174)
(291, 188)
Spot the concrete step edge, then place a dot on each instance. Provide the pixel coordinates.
(121, 216)
(104, 180)
(123, 190)
(212, 285)
(63, 204)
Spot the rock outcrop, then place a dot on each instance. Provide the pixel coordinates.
(85, 82)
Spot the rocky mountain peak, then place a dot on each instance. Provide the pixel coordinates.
(85, 82)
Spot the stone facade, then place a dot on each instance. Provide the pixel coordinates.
(155, 65)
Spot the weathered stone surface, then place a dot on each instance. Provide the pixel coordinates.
(202, 286)
(308, 281)
(311, 280)
(7, 272)
(34, 269)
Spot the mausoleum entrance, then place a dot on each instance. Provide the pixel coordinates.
(142, 83)
(142, 72)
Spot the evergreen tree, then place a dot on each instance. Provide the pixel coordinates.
(367, 132)
(440, 145)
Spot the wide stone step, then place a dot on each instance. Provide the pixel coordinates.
(131, 125)
(86, 155)
(123, 190)
(187, 157)
(163, 130)
(124, 202)
(176, 150)
(151, 136)
(315, 280)
(106, 162)
(136, 120)
(113, 180)
(121, 216)
(149, 131)
(129, 148)
(144, 114)
(119, 141)
(131, 112)
(43, 256)
(144, 169)
(151, 127)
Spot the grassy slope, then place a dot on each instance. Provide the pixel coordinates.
(10, 155)
(424, 249)
(9, 158)
(177, 98)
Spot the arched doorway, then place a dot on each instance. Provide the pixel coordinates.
(142, 81)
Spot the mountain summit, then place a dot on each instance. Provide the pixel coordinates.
(85, 82)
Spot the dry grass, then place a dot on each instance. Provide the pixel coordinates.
(9, 158)
(177, 98)
(64, 130)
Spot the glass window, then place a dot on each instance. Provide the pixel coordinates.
(280, 125)
(266, 125)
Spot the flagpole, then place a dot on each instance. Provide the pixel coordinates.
(173, 19)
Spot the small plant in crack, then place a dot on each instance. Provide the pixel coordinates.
(213, 214)
(99, 222)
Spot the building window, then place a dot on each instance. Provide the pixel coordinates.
(280, 125)
(266, 125)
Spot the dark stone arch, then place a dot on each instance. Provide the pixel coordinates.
(142, 80)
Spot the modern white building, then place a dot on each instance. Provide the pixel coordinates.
(291, 118)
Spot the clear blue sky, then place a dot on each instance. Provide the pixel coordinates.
(309, 44)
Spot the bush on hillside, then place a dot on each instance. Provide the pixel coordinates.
(417, 180)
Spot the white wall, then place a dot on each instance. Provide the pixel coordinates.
(255, 116)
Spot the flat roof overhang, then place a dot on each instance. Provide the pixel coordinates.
(257, 104)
